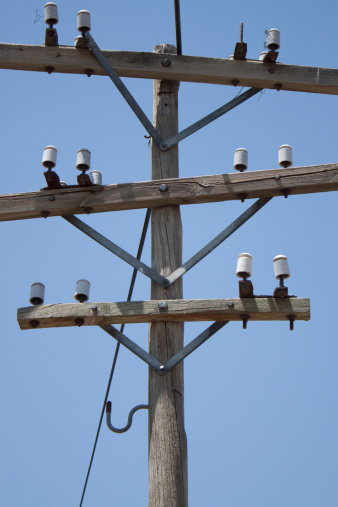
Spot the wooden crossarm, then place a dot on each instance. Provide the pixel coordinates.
(248, 73)
(147, 194)
(179, 310)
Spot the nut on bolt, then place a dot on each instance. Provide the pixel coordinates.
(163, 305)
(166, 62)
(34, 323)
(163, 187)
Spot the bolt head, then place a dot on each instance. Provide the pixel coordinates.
(166, 62)
(162, 367)
(277, 177)
(230, 304)
(162, 305)
(163, 188)
(51, 198)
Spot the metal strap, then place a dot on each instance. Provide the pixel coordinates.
(174, 360)
(218, 239)
(124, 90)
(112, 247)
(133, 347)
(161, 143)
(195, 259)
(209, 118)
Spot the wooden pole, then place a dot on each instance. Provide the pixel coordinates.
(168, 485)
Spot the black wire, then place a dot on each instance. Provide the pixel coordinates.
(131, 288)
(178, 27)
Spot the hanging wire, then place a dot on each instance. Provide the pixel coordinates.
(131, 288)
(178, 27)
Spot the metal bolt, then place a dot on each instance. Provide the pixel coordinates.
(245, 317)
(51, 198)
(166, 62)
(79, 321)
(163, 305)
(34, 323)
(230, 304)
(163, 188)
(277, 177)
(271, 71)
(235, 82)
(163, 145)
(165, 283)
(162, 367)
(94, 307)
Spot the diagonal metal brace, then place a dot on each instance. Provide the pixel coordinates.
(193, 345)
(195, 259)
(209, 118)
(174, 360)
(115, 249)
(161, 143)
(123, 90)
(236, 224)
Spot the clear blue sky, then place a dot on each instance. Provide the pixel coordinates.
(260, 405)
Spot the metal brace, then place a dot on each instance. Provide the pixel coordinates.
(175, 275)
(160, 368)
(161, 143)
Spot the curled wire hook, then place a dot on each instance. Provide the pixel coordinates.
(130, 417)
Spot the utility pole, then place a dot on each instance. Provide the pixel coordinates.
(167, 439)
(167, 311)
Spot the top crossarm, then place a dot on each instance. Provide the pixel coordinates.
(246, 73)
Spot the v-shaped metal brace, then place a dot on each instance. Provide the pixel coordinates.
(164, 368)
(175, 275)
(163, 144)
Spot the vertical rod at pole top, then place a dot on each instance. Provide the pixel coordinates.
(241, 32)
(178, 27)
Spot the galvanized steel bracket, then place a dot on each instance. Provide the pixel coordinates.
(158, 366)
(162, 143)
(195, 259)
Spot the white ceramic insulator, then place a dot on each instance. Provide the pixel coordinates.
(244, 264)
(261, 56)
(273, 39)
(241, 159)
(82, 290)
(51, 14)
(285, 155)
(83, 21)
(49, 157)
(96, 177)
(281, 266)
(37, 293)
(83, 160)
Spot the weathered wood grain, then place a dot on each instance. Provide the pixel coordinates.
(146, 194)
(66, 59)
(179, 310)
(168, 474)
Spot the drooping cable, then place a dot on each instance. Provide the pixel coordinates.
(178, 27)
(131, 288)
